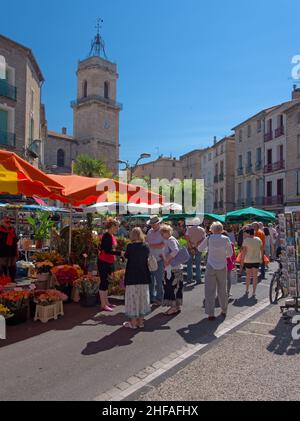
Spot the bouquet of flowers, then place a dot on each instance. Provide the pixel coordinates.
(4, 280)
(45, 298)
(67, 274)
(87, 285)
(44, 267)
(5, 312)
(15, 300)
(116, 285)
(122, 243)
(51, 256)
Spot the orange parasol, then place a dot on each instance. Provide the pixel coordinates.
(17, 176)
(80, 190)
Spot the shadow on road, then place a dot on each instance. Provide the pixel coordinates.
(202, 332)
(283, 342)
(245, 301)
(124, 336)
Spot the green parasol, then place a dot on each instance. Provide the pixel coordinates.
(249, 214)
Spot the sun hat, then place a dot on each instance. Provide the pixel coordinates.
(193, 222)
(154, 220)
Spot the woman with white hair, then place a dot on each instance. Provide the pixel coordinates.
(173, 279)
(219, 249)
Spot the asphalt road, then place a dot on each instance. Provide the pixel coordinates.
(86, 353)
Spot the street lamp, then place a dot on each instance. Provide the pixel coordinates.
(133, 168)
(31, 153)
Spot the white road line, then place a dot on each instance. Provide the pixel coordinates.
(117, 394)
(263, 323)
(244, 332)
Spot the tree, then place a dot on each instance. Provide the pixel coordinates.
(89, 167)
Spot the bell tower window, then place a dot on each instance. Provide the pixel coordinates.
(84, 89)
(106, 90)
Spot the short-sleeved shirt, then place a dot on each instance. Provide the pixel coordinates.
(260, 234)
(253, 254)
(154, 237)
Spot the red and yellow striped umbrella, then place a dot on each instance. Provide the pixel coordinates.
(17, 176)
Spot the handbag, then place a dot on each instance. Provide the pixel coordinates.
(152, 263)
(182, 257)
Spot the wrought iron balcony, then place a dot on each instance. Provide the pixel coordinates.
(276, 166)
(7, 90)
(240, 203)
(279, 131)
(216, 179)
(259, 200)
(249, 201)
(274, 200)
(258, 165)
(240, 171)
(98, 98)
(249, 169)
(268, 136)
(216, 205)
(7, 139)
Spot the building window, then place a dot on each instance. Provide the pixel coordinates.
(241, 135)
(269, 126)
(269, 189)
(298, 146)
(209, 157)
(84, 89)
(60, 158)
(106, 90)
(298, 183)
(258, 126)
(32, 101)
(258, 157)
(174, 164)
(222, 149)
(249, 131)
(298, 118)
(240, 162)
(249, 159)
(280, 121)
(240, 187)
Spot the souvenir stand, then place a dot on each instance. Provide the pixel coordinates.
(289, 225)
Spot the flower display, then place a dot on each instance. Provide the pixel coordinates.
(5, 311)
(122, 243)
(52, 256)
(67, 274)
(44, 267)
(4, 280)
(116, 285)
(15, 300)
(49, 297)
(87, 285)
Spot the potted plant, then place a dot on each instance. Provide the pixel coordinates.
(4, 280)
(44, 270)
(116, 285)
(51, 256)
(65, 275)
(41, 225)
(88, 287)
(5, 312)
(17, 302)
(49, 305)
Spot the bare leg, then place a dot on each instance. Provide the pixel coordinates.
(255, 280)
(248, 279)
(141, 322)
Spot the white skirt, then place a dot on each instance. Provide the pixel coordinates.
(137, 301)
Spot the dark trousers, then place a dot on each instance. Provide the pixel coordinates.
(105, 269)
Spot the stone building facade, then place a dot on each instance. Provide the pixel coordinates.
(206, 174)
(20, 101)
(163, 167)
(191, 164)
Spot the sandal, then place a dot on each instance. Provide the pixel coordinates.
(171, 313)
(141, 325)
(106, 308)
(129, 325)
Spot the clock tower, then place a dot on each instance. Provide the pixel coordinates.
(96, 111)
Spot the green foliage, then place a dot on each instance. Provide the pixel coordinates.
(182, 242)
(41, 225)
(89, 167)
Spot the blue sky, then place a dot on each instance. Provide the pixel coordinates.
(189, 69)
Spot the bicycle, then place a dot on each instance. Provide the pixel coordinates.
(277, 290)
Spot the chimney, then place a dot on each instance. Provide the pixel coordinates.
(215, 140)
(296, 92)
(64, 130)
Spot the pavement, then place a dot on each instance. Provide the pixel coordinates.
(257, 361)
(87, 355)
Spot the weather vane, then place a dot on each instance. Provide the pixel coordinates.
(97, 45)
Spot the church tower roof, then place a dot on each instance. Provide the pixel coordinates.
(97, 45)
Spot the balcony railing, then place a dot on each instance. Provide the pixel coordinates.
(216, 205)
(260, 200)
(240, 203)
(221, 177)
(249, 169)
(268, 136)
(240, 171)
(7, 90)
(7, 139)
(274, 200)
(258, 165)
(279, 131)
(216, 179)
(98, 98)
(276, 166)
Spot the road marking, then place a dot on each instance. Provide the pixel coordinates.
(177, 357)
(244, 332)
(263, 323)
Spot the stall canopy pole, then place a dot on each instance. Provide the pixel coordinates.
(70, 232)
